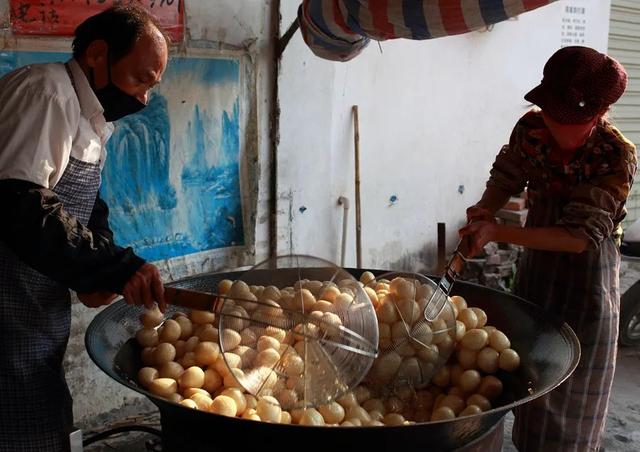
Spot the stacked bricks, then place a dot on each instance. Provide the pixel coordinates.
(496, 266)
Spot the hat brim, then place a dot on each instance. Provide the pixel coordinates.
(549, 102)
(538, 96)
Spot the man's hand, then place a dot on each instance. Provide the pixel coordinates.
(145, 288)
(97, 299)
(479, 234)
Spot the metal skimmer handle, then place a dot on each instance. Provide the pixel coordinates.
(438, 299)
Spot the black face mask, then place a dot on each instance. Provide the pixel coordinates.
(116, 103)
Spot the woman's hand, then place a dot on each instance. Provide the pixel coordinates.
(479, 213)
(479, 233)
(96, 299)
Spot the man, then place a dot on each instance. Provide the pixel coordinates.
(54, 234)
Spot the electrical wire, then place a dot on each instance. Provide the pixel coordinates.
(125, 429)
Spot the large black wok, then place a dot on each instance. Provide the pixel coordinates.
(549, 352)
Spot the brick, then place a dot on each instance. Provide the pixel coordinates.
(507, 256)
(513, 217)
(491, 248)
(506, 270)
(492, 280)
(490, 269)
(515, 204)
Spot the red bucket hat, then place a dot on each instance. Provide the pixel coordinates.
(578, 84)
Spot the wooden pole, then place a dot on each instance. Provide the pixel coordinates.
(284, 41)
(442, 248)
(274, 130)
(356, 142)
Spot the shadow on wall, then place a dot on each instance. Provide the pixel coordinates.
(423, 261)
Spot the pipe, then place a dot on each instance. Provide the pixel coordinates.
(356, 142)
(344, 202)
(124, 429)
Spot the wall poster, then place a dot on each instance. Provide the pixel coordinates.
(172, 174)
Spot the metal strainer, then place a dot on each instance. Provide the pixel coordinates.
(418, 325)
(297, 328)
(412, 346)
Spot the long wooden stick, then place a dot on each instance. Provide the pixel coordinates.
(356, 142)
(274, 131)
(286, 37)
(442, 248)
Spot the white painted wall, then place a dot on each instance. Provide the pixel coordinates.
(433, 115)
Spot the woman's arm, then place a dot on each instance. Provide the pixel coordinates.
(547, 239)
(493, 199)
(507, 177)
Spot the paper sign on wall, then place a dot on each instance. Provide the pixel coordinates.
(61, 17)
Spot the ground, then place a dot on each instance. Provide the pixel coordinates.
(622, 432)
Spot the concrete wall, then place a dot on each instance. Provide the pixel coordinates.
(433, 115)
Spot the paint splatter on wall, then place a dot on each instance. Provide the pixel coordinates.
(172, 175)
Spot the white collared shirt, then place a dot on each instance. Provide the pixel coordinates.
(43, 122)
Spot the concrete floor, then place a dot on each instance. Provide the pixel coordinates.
(622, 431)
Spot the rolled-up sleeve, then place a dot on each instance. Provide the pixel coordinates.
(596, 207)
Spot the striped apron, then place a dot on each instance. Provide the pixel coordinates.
(583, 290)
(35, 318)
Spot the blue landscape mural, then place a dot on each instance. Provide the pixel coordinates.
(172, 174)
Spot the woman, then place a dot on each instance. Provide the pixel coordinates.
(578, 170)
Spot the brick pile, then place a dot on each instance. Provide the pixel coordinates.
(496, 266)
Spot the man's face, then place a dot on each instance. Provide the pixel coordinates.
(138, 71)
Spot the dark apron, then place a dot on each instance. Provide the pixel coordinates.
(35, 318)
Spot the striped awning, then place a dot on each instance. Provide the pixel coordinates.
(339, 29)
